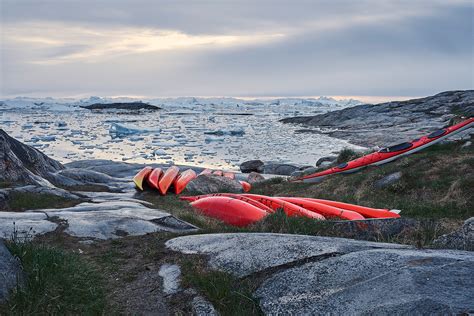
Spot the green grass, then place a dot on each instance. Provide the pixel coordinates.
(19, 201)
(57, 282)
(435, 183)
(229, 295)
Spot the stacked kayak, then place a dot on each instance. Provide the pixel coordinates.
(172, 178)
(245, 209)
(390, 153)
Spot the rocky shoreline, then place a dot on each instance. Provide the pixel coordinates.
(387, 123)
(91, 202)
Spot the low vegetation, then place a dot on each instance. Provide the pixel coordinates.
(57, 282)
(19, 201)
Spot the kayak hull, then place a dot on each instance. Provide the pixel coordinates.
(290, 209)
(387, 155)
(323, 209)
(167, 179)
(154, 178)
(141, 176)
(183, 179)
(229, 210)
(231, 195)
(363, 210)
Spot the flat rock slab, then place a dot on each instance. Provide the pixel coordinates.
(245, 253)
(24, 225)
(105, 220)
(380, 281)
(10, 272)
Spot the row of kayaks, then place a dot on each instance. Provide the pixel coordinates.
(390, 153)
(246, 209)
(172, 178)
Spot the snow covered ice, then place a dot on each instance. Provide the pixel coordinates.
(210, 132)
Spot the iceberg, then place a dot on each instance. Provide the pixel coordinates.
(119, 130)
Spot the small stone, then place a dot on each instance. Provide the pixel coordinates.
(329, 160)
(388, 180)
(171, 275)
(202, 307)
(254, 177)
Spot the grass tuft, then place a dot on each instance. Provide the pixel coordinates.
(56, 282)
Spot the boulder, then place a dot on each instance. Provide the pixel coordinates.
(462, 239)
(202, 307)
(279, 169)
(10, 272)
(252, 165)
(254, 177)
(242, 254)
(326, 161)
(388, 180)
(22, 164)
(378, 281)
(208, 183)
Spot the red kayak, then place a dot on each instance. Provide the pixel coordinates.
(154, 178)
(367, 212)
(183, 179)
(323, 209)
(218, 173)
(391, 153)
(246, 186)
(206, 171)
(289, 208)
(167, 179)
(141, 176)
(229, 175)
(231, 195)
(229, 210)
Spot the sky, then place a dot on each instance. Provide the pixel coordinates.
(155, 48)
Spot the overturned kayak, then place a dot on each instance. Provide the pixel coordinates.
(231, 195)
(141, 176)
(246, 186)
(206, 171)
(365, 211)
(218, 173)
(154, 178)
(390, 153)
(229, 175)
(290, 209)
(183, 179)
(327, 211)
(167, 179)
(229, 210)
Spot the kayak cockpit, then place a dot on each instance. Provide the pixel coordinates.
(395, 148)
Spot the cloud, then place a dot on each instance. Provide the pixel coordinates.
(236, 47)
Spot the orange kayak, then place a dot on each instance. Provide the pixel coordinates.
(154, 178)
(183, 179)
(229, 175)
(140, 176)
(218, 173)
(231, 195)
(246, 186)
(290, 209)
(229, 210)
(206, 171)
(167, 179)
(367, 212)
(323, 209)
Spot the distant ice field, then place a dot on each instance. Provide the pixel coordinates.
(208, 132)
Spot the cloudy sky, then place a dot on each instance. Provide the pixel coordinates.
(235, 47)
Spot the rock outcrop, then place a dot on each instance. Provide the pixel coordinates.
(462, 239)
(208, 183)
(310, 275)
(392, 122)
(10, 272)
(22, 164)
